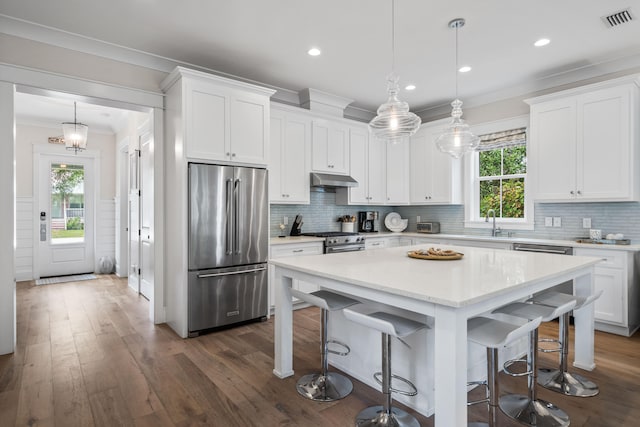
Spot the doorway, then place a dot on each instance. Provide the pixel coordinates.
(65, 226)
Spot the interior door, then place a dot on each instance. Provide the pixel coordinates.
(146, 215)
(134, 220)
(65, 219)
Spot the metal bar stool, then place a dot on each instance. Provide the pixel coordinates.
(399, 327)
(530, 410)
(560, 380)
(494, 334)
(325, 386)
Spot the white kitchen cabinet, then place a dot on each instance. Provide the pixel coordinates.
(583, 144)
(290, 157)
(224, 121)
(330, 147)
(397, 173)
(294, 249)
(367, 160)
(435, 177)
(617, 310)
(388, 241)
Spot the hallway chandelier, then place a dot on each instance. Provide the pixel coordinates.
(394, 120)
(75, 134)
(457, 139)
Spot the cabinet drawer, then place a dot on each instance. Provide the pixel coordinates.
(296, 250)
(611, 259)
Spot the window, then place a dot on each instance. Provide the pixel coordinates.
(498, 177)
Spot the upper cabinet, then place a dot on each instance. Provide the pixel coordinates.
(224, 120)
(397, 173)
(367, 166)
(330, 147)
(436, 177)
(290, 157)
(583, 143)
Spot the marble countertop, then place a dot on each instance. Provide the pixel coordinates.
(481, 274)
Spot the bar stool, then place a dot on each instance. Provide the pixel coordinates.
(494, 334)
(325, 386)
(399, 327)
(560, 380)
(530, 410)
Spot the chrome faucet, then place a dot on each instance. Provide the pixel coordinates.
(494, 231)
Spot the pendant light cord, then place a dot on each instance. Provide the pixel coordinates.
(393, 36)
(456, 71)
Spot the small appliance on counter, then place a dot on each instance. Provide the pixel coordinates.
(428, 227)
(368, 222)
(296, 228)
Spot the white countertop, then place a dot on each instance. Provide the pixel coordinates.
(481, 274)
(572, 243)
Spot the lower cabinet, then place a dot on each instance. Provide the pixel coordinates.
(617, 310)
(293, 249)
(387, 242)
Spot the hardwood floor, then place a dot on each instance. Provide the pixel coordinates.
(88, 356)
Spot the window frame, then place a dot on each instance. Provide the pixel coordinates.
(471, 167)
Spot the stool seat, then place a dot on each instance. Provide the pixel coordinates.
(494, 333)
(386, 323)
(324, 299)
(531, 311)
(556, 299)
(325, 386)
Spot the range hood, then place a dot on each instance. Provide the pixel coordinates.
(332, 181)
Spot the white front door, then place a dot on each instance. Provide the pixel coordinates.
(65, 217)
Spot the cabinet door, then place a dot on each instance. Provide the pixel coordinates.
(330, 147)
(604, 153)
(290, 155)
(420, 175)
(294, 249)
(359, 160)
(206, 121)
(553, 149)
(397, 173)
(377, 171)
(376, 243)
(610, 307)
(249, 129)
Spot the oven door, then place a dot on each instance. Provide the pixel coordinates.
(345, 248)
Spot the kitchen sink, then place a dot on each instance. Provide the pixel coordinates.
(604, 241)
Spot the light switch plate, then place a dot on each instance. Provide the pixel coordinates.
(548, 221)
(586, 222)
(557, 221)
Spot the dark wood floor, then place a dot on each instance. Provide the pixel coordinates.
(87, 355)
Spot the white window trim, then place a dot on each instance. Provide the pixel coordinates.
(470, 167)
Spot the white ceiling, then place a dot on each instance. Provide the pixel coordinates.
(266, 41)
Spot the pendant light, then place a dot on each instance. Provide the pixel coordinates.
(457, 139)
(75, 134)
(394, 120)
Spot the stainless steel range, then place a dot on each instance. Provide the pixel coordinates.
(338, 241)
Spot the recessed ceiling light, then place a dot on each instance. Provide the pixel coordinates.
(410, 87)
(542, 42)
(314, 51)
(464, 69)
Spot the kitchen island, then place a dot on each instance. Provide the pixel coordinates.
(445, 294)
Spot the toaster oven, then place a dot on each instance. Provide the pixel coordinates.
(428, 227)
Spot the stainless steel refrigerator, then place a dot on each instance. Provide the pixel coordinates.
(228, 245)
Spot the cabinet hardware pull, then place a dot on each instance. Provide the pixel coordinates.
(571, 192)
(579, 192)
(297, 250)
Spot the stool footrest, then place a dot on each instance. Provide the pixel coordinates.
(475, 402)
(339, 344)
(508, 364)
(550, 350)
(413, 389)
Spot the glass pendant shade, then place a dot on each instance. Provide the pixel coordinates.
(457, 139)
(394, 120)
(75, 134)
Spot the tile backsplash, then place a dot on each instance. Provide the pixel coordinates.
(322, 212)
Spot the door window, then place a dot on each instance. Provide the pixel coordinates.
(67, 203)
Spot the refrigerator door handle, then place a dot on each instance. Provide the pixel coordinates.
(230, 222)
(237, 216)
(231, 273)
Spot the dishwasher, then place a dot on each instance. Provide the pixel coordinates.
(566, 287)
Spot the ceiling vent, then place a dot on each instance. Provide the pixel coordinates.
(618, 18)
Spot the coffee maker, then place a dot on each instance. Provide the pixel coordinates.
(368, 221)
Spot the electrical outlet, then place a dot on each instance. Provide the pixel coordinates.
(285, 220)
(418, 218)
(548, 221)
(557, 221)
(586, 222)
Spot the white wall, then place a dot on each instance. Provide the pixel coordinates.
(26, 136)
